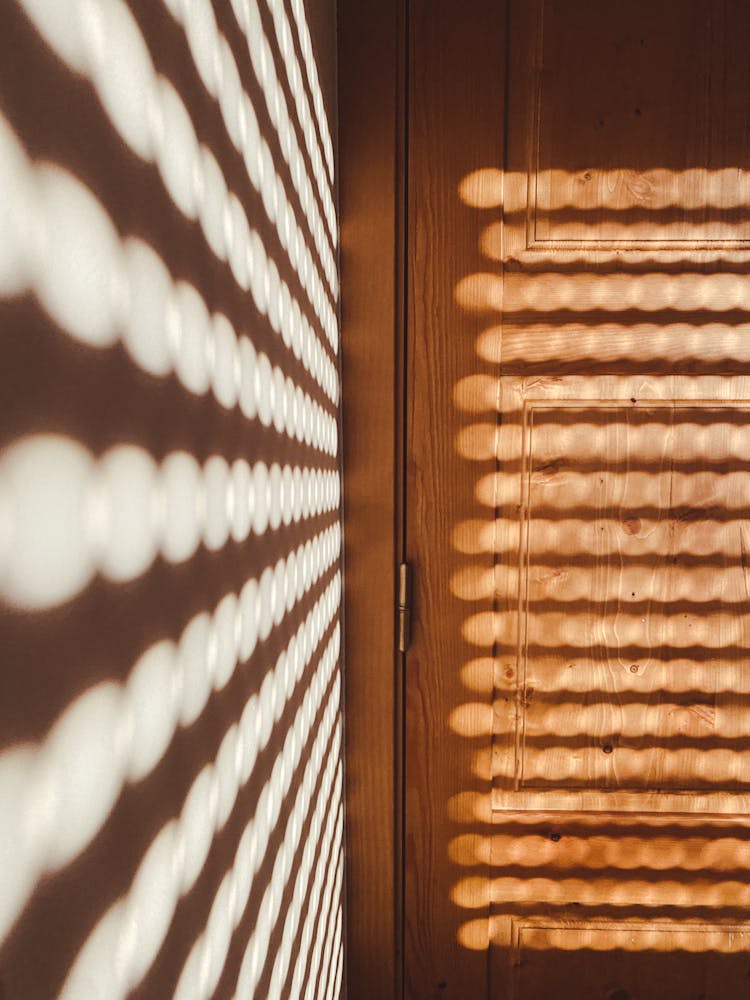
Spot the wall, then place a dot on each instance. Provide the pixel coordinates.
(171, 814)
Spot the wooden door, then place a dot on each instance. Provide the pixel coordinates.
(578, 447)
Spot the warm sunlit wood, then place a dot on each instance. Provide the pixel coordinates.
(442, 672)
(627, 615)
(579, 494)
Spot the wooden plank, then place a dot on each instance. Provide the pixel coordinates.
(456, 128)
(370, 48)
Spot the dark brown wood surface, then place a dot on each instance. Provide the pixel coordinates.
(370, 46)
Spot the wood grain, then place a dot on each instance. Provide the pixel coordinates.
(369, 48)
(584, 960)
(577, 786)
(455, 125)
(634, 151)
(630, 631)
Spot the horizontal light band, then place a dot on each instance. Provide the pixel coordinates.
(177, 854)
(61, 244)
(65, 516)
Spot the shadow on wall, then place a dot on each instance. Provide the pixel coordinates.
(171, 812)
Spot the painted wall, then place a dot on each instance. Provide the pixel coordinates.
(171, 814)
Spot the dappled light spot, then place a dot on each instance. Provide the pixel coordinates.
(491, 241)
(480, 293)
(483, 766)
(480, 629)
(473, 583)
(490, 345)
(490, 628)
(474, 536)
(50, 512)
(475, 935)
(472, 719)
(482, 188)
(479, 675)
(471, 893)
(466, 849)
(477, 393)
(487, 488)
(477, 442)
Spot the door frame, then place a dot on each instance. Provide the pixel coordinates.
(372, 124)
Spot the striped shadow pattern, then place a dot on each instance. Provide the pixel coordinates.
(171, 811)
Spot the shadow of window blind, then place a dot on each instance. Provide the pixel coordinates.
(171, 813)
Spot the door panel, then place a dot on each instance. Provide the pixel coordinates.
(622, 626)
(618, 961)
(627, 124)
(577, 697)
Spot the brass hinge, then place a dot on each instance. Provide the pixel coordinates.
(404, 607)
